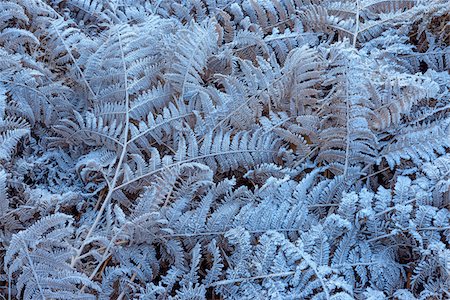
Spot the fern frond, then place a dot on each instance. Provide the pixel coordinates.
(88, 11)
(190, 58)
(417, 143)
(90, 130)
(218, 151)
(387, 6)
(317, 18)
(150, 101)
(11, 38)
(10, 10)
(11, 132)
(39, 255)
(160, 125)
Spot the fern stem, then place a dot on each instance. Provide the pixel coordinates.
(434, 228)
(305, 157)
(105, 254)
(323, 205)
(347, 127)
(33, 269)
(355, 35)
(376, 173)
(394, 208)
(137, 178)
(281, 274)
(118, 167)
(188, 235)
(133, 277)
(166, 121)
(393, 233)
(237, 280)
(424, 53)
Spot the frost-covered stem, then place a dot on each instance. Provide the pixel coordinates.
(133, 277)
(104, 258)
(394, 232)
(305, 157)
(111, 188)
(355, 35)
(347, 139)
(237, 280)
(407, 202)
(224, 232)
(206, 233)
(322, 282)
(434, 228)
(281, 274)
(323, 205)
(375, 173)
(33, 269)
(357, 264)
(393, 208)
(179, 163)
(134, 138)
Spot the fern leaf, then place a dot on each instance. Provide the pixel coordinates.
(193, 50)
(9, 140)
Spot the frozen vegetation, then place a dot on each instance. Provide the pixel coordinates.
(219, 149)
